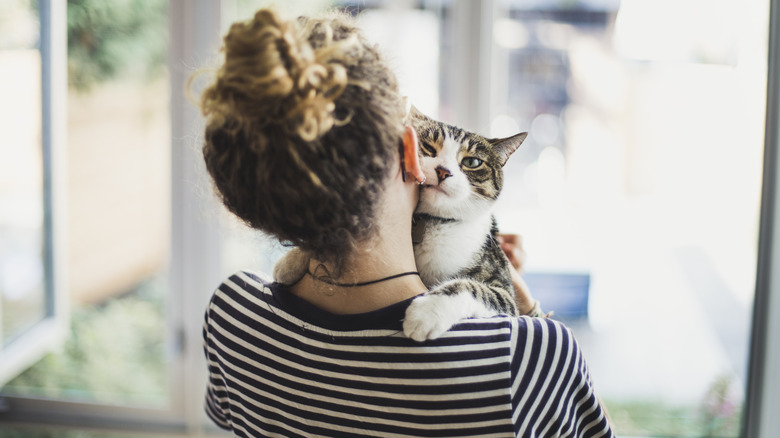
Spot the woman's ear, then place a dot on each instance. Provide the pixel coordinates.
(411, 156)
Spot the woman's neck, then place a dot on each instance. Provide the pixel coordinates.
(387, 253)
(338, 293)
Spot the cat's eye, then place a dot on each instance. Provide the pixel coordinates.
(471, 162)
(430, 150)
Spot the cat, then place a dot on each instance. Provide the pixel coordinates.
(454, 232)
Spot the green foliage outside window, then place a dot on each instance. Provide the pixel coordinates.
(114, 38)
(112, 356)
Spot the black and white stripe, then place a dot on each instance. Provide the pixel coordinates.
(280, 367)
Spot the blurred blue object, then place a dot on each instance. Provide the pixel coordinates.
(566, 294)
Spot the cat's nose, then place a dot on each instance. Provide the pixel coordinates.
(442, 173)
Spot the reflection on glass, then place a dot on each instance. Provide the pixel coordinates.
(118, 215)
(22, 287)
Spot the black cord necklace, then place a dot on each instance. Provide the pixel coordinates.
(364, 283)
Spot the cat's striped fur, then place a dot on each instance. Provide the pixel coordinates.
(455, 233)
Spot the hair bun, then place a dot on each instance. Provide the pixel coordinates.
(273, 74)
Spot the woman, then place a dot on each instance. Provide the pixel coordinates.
(305, 140)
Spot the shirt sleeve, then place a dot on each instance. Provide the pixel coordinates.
(552, 392)
(217, 403)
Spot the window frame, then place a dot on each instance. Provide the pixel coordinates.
(50, 331)
(762, 400)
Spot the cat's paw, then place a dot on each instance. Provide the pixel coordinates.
(423, 320)
(430, 315)
(291, 267)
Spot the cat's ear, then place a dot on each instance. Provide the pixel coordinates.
(414, 113)
(506, 146)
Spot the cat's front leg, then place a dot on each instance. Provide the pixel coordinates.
(432, 314)
(291, 267)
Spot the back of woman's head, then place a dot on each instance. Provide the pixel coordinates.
(303, 120)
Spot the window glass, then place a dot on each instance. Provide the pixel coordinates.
(118, 207)
(22, 285)
(637, 193)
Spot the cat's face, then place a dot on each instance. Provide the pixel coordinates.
(463, 170)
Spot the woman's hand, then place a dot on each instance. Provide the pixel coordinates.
(512, 245)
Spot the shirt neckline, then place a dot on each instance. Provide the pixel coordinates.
(390, 317)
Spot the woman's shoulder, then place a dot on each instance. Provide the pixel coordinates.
(537, 329)
(552, 390)
(543, 333)
(541, 326)
(243, 285)
(245, 280)
(528, 339)
(524, 335)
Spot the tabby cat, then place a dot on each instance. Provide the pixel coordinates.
(454, 232)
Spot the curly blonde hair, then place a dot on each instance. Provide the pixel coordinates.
(303, 121)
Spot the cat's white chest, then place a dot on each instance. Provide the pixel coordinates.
(447, 248)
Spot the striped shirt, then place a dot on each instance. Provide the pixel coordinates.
(281, 367)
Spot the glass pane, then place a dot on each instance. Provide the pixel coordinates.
(118, 210)
(22, 286)
(637, 193)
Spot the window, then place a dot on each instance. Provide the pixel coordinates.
(116, 361)
(117, 211)
(31, 306)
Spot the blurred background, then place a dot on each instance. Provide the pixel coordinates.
(637, 195)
